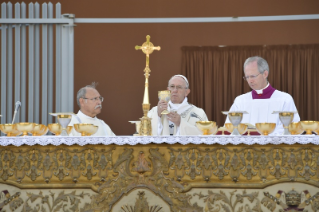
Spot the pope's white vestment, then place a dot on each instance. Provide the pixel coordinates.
(260, 110)
(103, 130)
(189, 113)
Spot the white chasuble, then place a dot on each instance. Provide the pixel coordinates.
(260, 110)
(189, 113)
(103, 130)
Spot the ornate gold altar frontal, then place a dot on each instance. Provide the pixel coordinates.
(160, 178)
(147, 48)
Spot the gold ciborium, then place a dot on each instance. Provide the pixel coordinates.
(39, 130)
(56, 129)
(10, 129)
(295, 128)
(207, 127)
(86, 129)
(64, 120)
(25, 127)
(242, 128)
(165, 96)
(286, 118)
(309, 126)
(265, 128)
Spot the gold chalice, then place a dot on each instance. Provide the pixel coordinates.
(10, 129)
(85, 129)
(295, 128)
(242, 128)
(207, 127)
(39, 130)
(165, 96)
(25, 127)
(265, 128)
(64, 120)
(286, 118)
(309, 126)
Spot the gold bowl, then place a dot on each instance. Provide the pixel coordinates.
(39, 130)
(309, 126)
(295, 128)
(207, 127)
(242, 128)
(86, 129)
(265, 128)
(25, 127)
(10, 129)
(56, 128)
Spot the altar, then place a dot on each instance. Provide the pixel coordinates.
(159, 173)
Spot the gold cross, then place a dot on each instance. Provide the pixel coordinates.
(147, 49)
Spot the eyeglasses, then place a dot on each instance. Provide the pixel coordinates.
(178, 87)
(251, 76)
(96, 99)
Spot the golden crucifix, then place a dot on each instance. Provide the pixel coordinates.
(147, 48)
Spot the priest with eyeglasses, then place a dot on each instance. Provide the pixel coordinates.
(182, 116)
(263, 100)
(90, 103)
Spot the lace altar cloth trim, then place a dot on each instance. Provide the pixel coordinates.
(134, 140)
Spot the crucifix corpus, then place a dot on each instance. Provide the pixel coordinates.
(147, 48)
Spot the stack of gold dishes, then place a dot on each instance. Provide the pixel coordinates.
(39, 130)
(265, 128)
(86, 129)
(10, 129)
(295, 128)
(207, 127)
(56, 129)
(242, 128)
(310, 126)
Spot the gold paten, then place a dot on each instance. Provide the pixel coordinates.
(147, 48)
(265, 128)
(25, 127)
(207, 127)
(309, 126)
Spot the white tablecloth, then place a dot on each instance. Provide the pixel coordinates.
(134, 140)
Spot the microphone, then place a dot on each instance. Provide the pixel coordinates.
(18, 105)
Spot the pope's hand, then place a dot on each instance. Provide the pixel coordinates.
(174, 117)
(162, 105)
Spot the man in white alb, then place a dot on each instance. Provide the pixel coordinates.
(90, 103)
(263, 100)
(182, 117)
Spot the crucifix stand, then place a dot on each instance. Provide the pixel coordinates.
(147, 48)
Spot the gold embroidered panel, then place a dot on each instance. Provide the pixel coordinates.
(103, 176)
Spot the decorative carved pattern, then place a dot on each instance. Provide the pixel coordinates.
(141, 205)
(170, 171)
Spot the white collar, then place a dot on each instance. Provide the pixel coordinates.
(261, 90)
(176, 106)
(80, 113)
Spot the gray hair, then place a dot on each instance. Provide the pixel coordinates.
(181, 76)
(81, 93)
(261, 63)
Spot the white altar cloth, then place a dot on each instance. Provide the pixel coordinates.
(134, 140)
